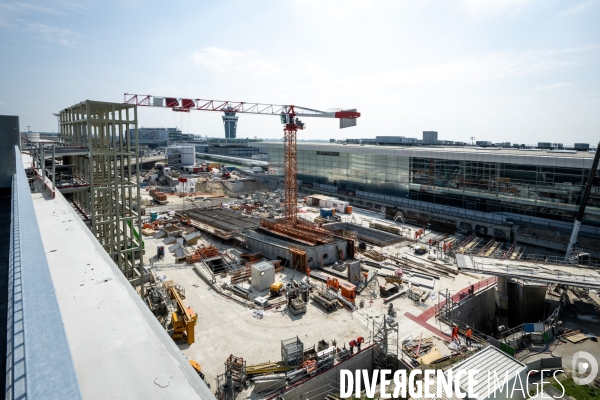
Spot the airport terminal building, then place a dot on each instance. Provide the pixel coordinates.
(491, 184)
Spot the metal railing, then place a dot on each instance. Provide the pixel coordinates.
(538, 274)
(38, 359)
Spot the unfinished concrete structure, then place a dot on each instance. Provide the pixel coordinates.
(93, 141)
(315, 256)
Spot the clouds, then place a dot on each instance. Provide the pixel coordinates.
(51, 34)
(27, 16)
(226, 60)
(50, 7)
(483, 7)
(577, 7)
(554, 86)
(490, 67)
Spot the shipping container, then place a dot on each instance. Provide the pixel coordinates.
(338, 205)
(326, 212)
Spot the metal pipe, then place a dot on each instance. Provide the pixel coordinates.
(53, 167)
(43, 164)
(584, 199)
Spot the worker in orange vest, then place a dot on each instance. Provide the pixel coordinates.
(455, 333)
(469, 336)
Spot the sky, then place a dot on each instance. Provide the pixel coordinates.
(522, 71)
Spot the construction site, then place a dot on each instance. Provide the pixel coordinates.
(270, 288)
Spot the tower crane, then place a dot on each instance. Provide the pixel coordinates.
(288, 114)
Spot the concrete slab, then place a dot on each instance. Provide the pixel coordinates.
(119, 349)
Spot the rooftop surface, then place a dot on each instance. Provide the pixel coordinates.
(119, 349)
(487, 360)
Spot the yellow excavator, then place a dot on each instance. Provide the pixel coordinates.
(183, 320)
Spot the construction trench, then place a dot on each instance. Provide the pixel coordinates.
(320, 287)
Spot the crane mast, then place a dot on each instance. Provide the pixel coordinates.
(290, 164)
(289, 118)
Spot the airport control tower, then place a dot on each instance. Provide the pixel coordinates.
(230, 123)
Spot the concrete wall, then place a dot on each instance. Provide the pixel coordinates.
(234, 186)
(328, 253)
(317, 387)
(9, 137)
(477, 310)
(525, 302)
(274, 248)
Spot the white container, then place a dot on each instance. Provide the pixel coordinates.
(262, 275)
(339, 205)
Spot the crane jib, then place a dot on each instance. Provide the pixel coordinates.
(187, 104)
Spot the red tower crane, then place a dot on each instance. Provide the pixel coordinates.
(289, 118)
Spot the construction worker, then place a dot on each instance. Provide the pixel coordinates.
(352, 344)
(455, 333)
(359, 341)
(469, 336)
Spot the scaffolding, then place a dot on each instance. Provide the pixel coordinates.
(236, 368)
(103, 153)
(385, 344)
(292, 351)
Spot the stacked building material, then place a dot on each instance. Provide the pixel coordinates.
(417, 347)
(326, 299)
(374, 255)
(241, 275)
(396, 230)
(158, 196)
(201, 253)
(297, 306)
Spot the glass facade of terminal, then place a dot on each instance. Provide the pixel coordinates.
(349, 172)
(542, 191)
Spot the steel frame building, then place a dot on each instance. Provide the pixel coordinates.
(96, 133)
